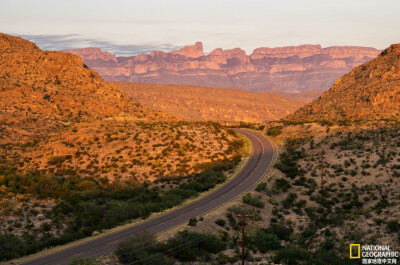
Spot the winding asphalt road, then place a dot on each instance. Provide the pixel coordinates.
(256, 167)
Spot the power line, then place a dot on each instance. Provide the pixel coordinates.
(322, 173)
(165, 251)
(243, 215)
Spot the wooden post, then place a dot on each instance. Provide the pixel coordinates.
(243, 215)
(242, 238)
(322, 174)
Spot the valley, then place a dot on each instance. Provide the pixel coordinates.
(192, 103)
(111, 166)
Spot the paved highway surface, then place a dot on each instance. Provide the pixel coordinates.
(256, 167)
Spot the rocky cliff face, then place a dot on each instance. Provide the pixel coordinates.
(370, 91)
(290, 69)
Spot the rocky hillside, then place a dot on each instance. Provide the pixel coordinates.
(42, 90)
(195, 103)
(57, 116)
(56, 85)
(370, 91)
(291, 69)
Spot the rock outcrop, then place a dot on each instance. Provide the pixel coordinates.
(290, 69)
(370, 91)
(192, 51)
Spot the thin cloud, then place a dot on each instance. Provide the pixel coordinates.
(74, 41)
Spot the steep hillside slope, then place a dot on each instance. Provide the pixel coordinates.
(291, 69)
(43, 90)
(370, 91)
(54, 109)
(194, 103)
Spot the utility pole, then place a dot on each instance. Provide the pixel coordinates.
(322, 174)
(243, 215)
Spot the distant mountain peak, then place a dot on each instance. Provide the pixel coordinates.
(191, 51)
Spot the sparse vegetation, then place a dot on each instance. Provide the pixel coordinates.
(358, 202)
(77, 156)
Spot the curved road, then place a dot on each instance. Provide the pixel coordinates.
(256, 167)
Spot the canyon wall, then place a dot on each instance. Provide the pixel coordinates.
(291, 69)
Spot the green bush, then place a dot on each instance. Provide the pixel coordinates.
(10, 247)
(281, 184)
(82, 261)
(274, 131)
(142, 248)
(255, 201)
(289, 201)
(292, 256)
(264, 241)
(393, 226)
(196, 245)
(220, 222)
(193, 222)
(261, 186)
(287, 162)
(282, 232)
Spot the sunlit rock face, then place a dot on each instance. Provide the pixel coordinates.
(290, 69)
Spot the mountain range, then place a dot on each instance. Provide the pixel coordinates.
(291, 69)
(370, 91)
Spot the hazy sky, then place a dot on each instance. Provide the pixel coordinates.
(127, 27)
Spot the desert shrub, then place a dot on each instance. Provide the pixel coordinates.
(82, 261)
(292, 256)
(220, 222)
(289, 201)
(264, 241)
(193, 222)
(281, 231)
(197, 244)
(255, 201)
(232, 221)
(328, 257)
(393, 226)
(85, 205)
(281, 184)
(56, 160)
(261, 186)
(142, 248)
(222, 258)
(287, 162)
(274, 131)
(10, 247)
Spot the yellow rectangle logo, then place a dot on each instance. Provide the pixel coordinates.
(354, 251)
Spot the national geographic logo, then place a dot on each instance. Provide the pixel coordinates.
(354, 251)
(373, 254)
